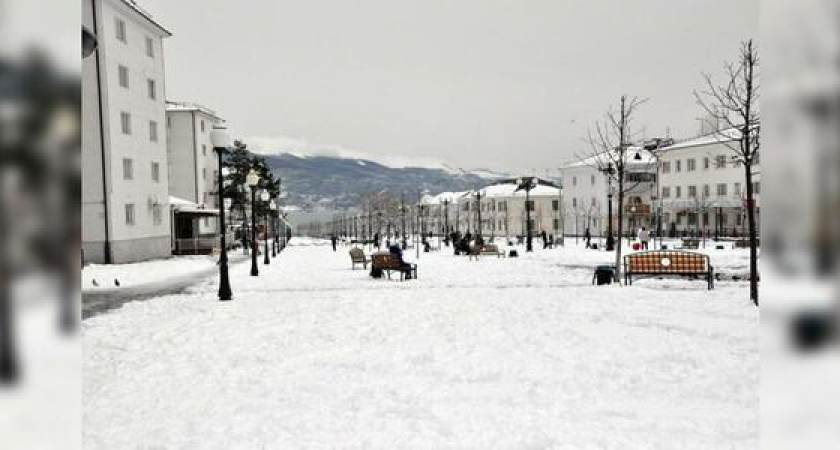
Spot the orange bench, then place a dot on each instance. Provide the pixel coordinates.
(668, 263)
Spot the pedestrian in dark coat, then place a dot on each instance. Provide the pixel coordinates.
(587, 236)
(334, 241)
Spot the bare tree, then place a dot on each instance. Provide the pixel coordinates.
(609, 146)
(733, 105)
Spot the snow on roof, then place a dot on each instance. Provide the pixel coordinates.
(186, 206)
(509, 189)
(647, 158)
(189, 106)
(717, 137)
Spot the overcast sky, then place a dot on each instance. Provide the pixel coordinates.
(477, 83)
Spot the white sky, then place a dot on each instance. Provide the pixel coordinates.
(477, 83)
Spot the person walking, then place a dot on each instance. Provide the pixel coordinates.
(587, 237)
(544, 239)
(644, 238)
(334, 241)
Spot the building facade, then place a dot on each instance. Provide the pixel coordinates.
(125, 181)
(586, 190)
(193, 174)
(702, 188)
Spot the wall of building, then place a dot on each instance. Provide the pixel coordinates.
(687, 212)
(148, 197)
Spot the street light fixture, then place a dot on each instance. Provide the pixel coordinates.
(252, 180)
(220, 139)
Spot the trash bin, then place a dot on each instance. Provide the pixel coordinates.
(603, 275)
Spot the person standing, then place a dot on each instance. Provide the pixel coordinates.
(334, 241)
(544, 238)
(587, 237)
(644, 238)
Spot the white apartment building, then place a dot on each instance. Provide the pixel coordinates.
(702, 188)
(586, 189)
(125, 182)
(193, 174)
(501, 210)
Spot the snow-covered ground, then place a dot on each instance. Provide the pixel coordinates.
(500, 353)
(153, 271)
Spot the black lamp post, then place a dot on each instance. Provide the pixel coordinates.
(253, 180)
(402, 218)
(478, 195)
(527, 184)
(265, 197)
(609, 171)
(221, 142)
(273, 208)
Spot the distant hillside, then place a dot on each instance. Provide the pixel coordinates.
(311, 182)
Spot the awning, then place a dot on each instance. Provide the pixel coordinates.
(182, 206)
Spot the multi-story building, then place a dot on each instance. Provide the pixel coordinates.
(586, 190)
(124, 159)
(499, 212)
(702, 187)
(193, 176)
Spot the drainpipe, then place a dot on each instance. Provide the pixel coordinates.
(108, 256)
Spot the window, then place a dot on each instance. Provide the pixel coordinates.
(555, 205)
(593, 201)
(707, 162)
(529, 204)
(156, 172)
(679, 166)
(721, 190)
(168, 121)
(678, 192)
(150, 47)
(690, 165)
(720, 161)
(129, 214)
(574, 181)
(123, 76)
(203, 149)
(152, 87)
(153, 131)
(692, 192)
(125, 122)
(666, 167)
(157, 215)
(707, 191)
(592, 180)
(128, 169)
(574, 203)
(120, 30)
(202, 125)
(756, 188)
(736, 192)
(204, 173)
(502, 206)
(666, 192)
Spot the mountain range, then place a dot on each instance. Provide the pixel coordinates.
(312, 182)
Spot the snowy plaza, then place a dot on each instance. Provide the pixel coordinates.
(497, 353)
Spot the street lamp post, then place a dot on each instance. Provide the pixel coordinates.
(253, 180)
(272, 206)
(478, 194)
(265, 197)
(609, 171)
(527, 184)
(221, 142)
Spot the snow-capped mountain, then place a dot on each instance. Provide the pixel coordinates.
(312, 182)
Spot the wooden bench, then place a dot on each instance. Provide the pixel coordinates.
(389, 263)
(357, 256)
(668, 263)
(486, 250)
(691, 243)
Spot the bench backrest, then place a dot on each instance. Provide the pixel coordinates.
(357, 254)
(667, 261)
(385, 260)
